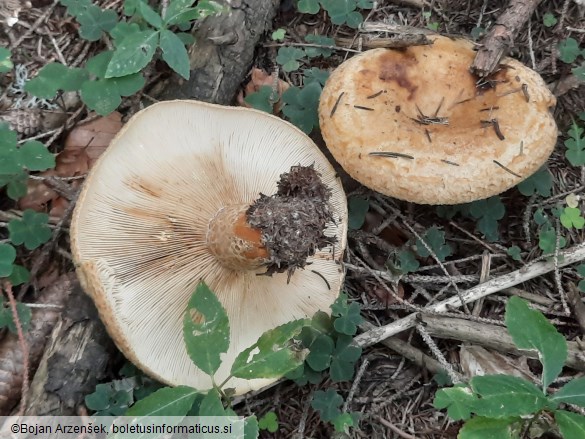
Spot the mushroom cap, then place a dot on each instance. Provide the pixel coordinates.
(450, 140)
(138, 233)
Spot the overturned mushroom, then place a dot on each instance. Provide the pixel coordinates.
(182, 195)
(415, 124)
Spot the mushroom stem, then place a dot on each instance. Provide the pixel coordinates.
(233, 242)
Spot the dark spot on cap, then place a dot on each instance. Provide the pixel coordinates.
(397, 108)
(394, 68)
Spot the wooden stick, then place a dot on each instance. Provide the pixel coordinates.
(568, 257)
(501, 36)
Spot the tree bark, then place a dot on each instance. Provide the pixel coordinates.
(223, 52)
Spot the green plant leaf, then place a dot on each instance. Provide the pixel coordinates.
(457, 400)
(170, 402)
(119, 32)
(54, 77)
(174, 53)
(319, 357)
(206, 329)
(6, 320)
(506, 395)
(407, 261)
(100, 96)
(150, 15)
(347, 322)
(315, 74)
(344, 421)
(483, 428)
(176, 8)
(358, 208)
(251, 429)
(273, 355)
(76, 7)
(211, 405)
(435, 239)
(94, 21)
(515, 253)
(343, 12)
(344, 357)
(538, 183)
(288, 58)
(35, 156)
(575, 145)
(547, 239)
(301, 106)
(569, 50)
(31, 230)
(98, 64)
(19, 275)
(571, 425)
(133, 54)
(6, 64)
(489, 212)
(531, 330)
(308, 6)
(109, 399)
(7, 258)
(327, 403)
(320, 40)
(549, 20)
(571, 393)
(262, 99)
(125, 85)
(269, 422)
(278, 34)
(571, 217)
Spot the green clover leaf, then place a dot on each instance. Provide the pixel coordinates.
(301, 106)
(569, 50)
(94, 21)
(7, 320)
(571, 217)
(288, 58)
(32, 229)
(549, 20)
(7, 257)
(308, 6)
(268, 422)
(53, 77)
(327, 403)
(435, 239)
(538, 183)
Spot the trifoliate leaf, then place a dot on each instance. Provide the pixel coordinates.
(320, 40)
(327, 403)
(538, 183)
(531, 330)
(7, 258)
(549, 20)
(34, 156)
(94, 21)
(575, 146)
(315, 74)
(100, 96)
(571, 217)
(278, 34)
(407, 261)
(435, 239)
(347, 323)
(54, 77)
(206, 329)
(547, 239)
(32, 229)
(269, 422)
(261, 99)
(301, 106)
(289, 58)
(569, 50)
(343, 12)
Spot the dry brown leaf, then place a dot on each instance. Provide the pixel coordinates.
(259, 78)
(83, 146)
(478, 361)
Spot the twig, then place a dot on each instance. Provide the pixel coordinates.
(447, 367)
(23, 347)
(567, 257)
(35, 25)
(395, 429)
(355, 384)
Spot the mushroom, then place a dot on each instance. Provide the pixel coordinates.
(178, 197)
(416, 125)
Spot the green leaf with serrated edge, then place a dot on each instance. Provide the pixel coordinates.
(133, 54)
(407, 261)
(7, 319)
(571, 393)
(288, 58)
(319, 357)
(100, 96)
(571, 217)
(150, 15)
(301, 106)
(31, 230)
(206, 329)
(7, 258)
(174, 53)
(126, 85)
(358, 208)
(457, 400)
(251, 430)
(272, 356)
(261, 99)
(93, 21)
(569, 50)
(435, 239)
(269, 422)
(484, 428)
(308, 6)
(505, 395)
(531, 330)
(212, 405)
(320, 40)
(35, 156)
(19, 275)
(54, 77)
(571, 425)
(327, 403)
(538, 183)
(168, 401)
(6, 64)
